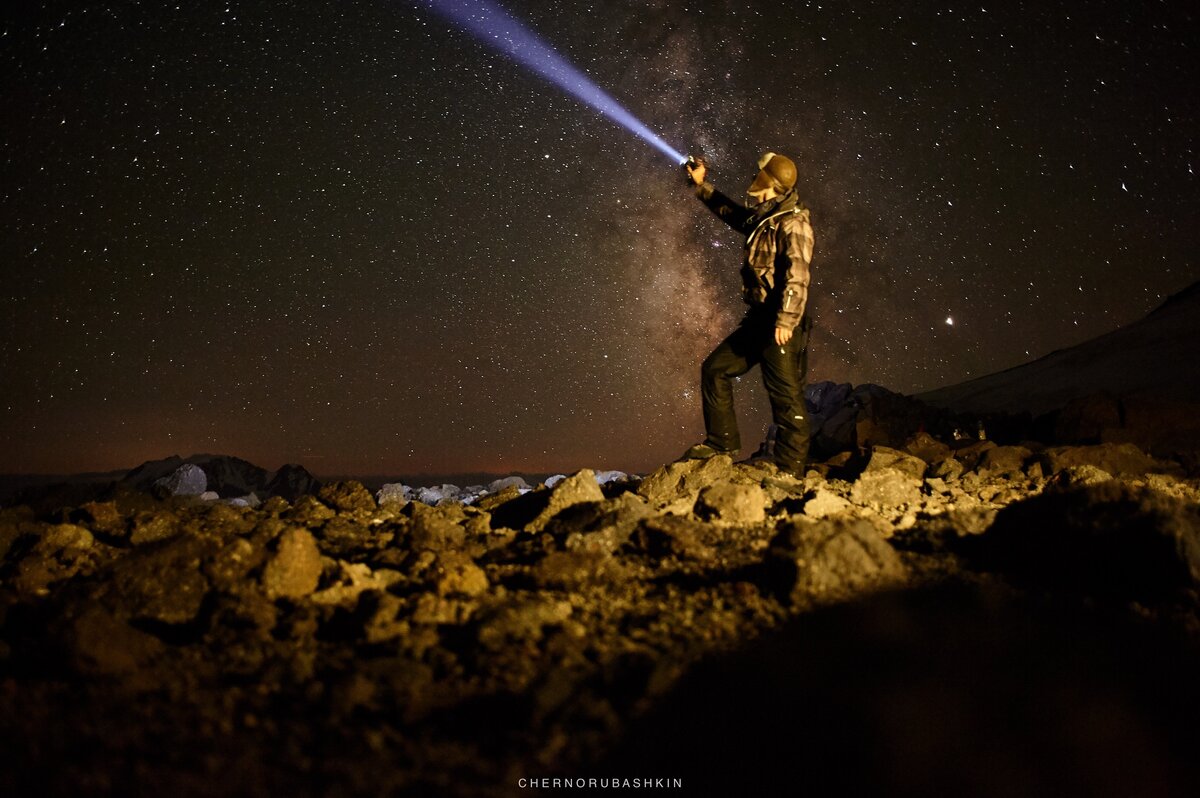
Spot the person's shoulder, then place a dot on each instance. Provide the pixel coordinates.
(799, 217)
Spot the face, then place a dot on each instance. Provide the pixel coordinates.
(761, 189)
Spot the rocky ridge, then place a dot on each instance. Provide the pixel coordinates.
(413, 643)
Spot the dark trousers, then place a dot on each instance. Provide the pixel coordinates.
(783, 369)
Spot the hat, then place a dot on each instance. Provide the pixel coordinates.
(775, 171)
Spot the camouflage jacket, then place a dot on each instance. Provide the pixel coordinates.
(779, 247)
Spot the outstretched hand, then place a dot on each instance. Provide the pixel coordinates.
(782, 336)
(696, 173)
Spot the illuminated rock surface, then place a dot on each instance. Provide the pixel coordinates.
(885, 630)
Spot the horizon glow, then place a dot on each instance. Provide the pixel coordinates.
(501, 31)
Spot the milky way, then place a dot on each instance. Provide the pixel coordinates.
(348, 235)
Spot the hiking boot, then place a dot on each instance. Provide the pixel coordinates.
(703, 451)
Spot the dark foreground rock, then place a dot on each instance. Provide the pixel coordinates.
(948, 691)
(357, 644)
(1106, 539)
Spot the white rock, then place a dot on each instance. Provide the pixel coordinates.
(504, 482)
(187, 480)
(441, 493)
(394, 493)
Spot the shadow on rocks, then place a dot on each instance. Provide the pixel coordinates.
(1107, 540)
(944, 691)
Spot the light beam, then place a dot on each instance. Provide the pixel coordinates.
(496, 28)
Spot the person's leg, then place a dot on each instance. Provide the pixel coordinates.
(733, 357)
(784, 369)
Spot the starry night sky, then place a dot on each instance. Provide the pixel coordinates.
(348, 235)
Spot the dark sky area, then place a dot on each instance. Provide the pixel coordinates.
(348, 235)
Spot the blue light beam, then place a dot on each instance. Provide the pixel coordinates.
(494, 27)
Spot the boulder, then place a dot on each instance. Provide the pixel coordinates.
(580, 487)
(435, 495)
(885, 488)
(948, 469)
(729, 503)
(883, 457)
(308, 511)
(347, 497)
(394, 493)
(186, 480)
(602, 527)
(229, 566)
(351, 581)
(1005, 461)
(1115, 458)
(927, 447)
(495, 486)
(381, 611)
(818, 561)
(162, 582)
(684, 479)
(459, 576)
(605, 477)
(1077, 477)
(671, 536)
(493, 500)
(1107, 540)
(825, 503)
(436, 528)
(341, 536)
(472, 494)
(295, 569)
(61, 552)
(972, 453)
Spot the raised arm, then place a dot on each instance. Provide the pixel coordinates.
(732, 213)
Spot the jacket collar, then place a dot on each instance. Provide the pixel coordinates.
(782, 203)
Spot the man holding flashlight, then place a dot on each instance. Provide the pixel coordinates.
(774, 332)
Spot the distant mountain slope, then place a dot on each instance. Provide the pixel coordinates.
(1157, 356)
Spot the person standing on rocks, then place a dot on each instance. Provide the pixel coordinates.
(774, 332)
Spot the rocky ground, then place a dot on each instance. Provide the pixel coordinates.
(993, 620)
